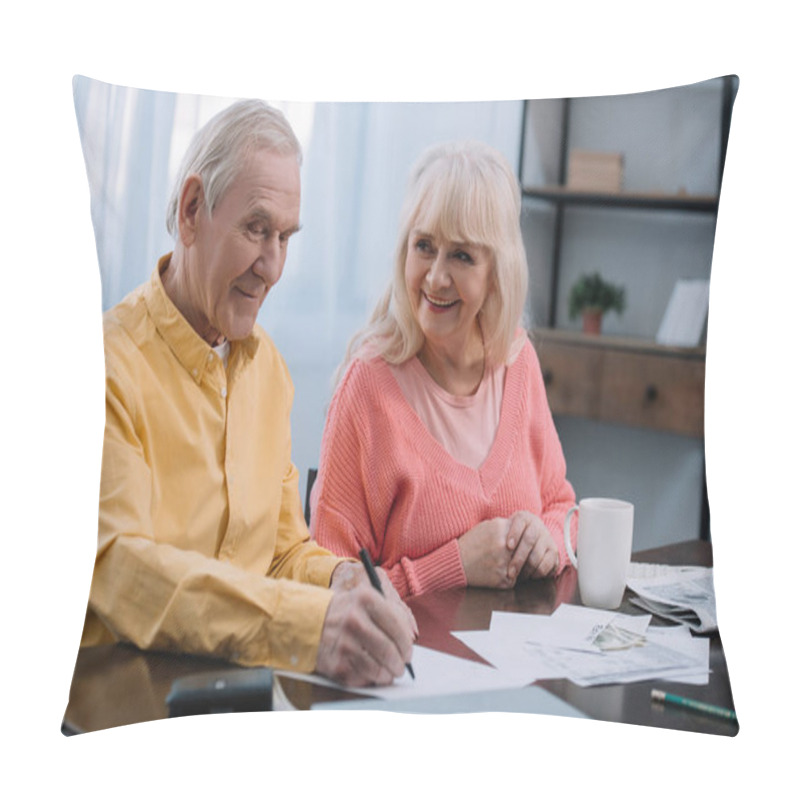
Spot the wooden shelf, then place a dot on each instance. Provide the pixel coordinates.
(627, 381)
(644, 200)
(643, 346)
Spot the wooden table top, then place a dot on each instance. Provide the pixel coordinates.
(119, 684)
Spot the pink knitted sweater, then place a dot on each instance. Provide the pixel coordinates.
(386, 484)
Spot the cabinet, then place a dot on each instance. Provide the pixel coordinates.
(658, 229)
(623, 381)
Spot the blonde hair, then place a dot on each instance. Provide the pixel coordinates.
(466, 192)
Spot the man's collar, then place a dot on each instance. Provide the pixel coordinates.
(187, 345)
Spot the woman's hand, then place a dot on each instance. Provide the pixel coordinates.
(535, 554)
(485, 554)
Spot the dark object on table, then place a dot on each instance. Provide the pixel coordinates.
(221, 692)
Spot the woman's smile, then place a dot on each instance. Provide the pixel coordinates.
(440, 304)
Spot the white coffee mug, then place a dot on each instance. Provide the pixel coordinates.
(605, 537)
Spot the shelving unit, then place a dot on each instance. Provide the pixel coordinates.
(654, 201)
(561, 196)
(627, 379)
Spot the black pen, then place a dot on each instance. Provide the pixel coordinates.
(376, 584)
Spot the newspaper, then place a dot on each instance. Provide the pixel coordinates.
(680, 594)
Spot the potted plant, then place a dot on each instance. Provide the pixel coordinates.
(592, 297)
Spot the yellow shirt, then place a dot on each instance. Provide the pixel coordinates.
(202, 543)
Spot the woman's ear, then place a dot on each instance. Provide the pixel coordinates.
(189, 207)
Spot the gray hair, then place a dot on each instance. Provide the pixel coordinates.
(220, 148)
(466, 192)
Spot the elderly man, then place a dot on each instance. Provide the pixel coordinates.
(202, 544)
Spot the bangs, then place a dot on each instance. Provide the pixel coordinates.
(459, 206)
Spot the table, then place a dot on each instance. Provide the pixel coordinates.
(119, 684)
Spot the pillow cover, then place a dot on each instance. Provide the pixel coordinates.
(623, 187)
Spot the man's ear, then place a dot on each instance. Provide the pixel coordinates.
(190, 206)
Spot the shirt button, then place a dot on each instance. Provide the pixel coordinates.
(224, 391)
(293, 661)
(210, 356)
(194, 372)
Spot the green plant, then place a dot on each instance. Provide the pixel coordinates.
(591, 292)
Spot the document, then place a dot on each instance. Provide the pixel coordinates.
(575, 627)
(588, 647)
(680, 594)
(527, 700)
(436, 674)
(678, 637)
(651, 661)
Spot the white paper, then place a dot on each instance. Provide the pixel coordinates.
(510, 656)
(570, 627)
(435, 674)
(563, 645)
(524, 648)
(678, 637)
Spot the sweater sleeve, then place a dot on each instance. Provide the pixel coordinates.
(340, 506)
(355, 497)
(439, 569)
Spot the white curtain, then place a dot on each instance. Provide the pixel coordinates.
(357, 157)
(125, 135)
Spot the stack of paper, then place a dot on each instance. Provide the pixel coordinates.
(589, 647)
(679, 594)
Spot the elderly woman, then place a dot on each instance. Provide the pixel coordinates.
(439, 454)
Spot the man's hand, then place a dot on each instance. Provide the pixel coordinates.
(366, 638)
(347, 575)
(351, 573)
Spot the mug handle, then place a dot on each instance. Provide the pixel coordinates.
(568, 538)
